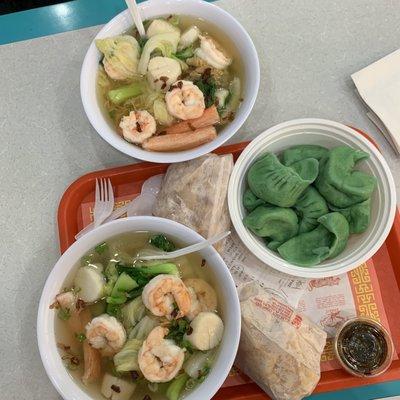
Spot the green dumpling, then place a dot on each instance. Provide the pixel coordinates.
(307, 249)
(327, 240)
(300, 152)
(309, 207)
(358, 215)
(336, 224)
(340, 185)
(251, 201)
(275, 183)
(307, 168)
(275, 224)
(273, 245)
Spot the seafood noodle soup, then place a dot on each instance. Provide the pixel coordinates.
(173, 90)
(128, 329)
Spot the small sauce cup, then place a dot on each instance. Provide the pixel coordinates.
(363, 347)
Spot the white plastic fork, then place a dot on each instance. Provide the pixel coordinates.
(162, 255)
(104, 201)
(117, 213)
(150, 189)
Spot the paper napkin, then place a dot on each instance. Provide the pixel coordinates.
(379, 87)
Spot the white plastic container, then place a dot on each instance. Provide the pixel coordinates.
(151, 9)
(224, 285)
(330, 134)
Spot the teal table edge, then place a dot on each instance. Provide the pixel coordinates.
(80, 14)
(58, 18)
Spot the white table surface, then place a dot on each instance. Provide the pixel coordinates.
(308, 50)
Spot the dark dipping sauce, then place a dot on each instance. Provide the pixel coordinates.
(362, 346)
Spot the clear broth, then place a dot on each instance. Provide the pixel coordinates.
(190, 266)
(235, 69)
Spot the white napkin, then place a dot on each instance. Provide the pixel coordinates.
(379, 87)
(389, 398)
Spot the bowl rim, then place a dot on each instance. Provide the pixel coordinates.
(264, 255)
(100, 125)
(63, 382)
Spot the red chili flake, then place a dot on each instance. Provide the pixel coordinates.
(161, 133)
(231, 117)
(164, 78)
(80, 304)
(206, 73)
(189, 331)
(171, 16)
(156, 80)
(191, 126)
(147, 397)
(203, 262)
(179, 84)
(163, 86)
(75, 360)
(116, 388)
(174, 313)
(134, 375)
(55, 305)
(138, 127)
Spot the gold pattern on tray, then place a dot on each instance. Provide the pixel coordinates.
(364, 299)
(364, 293)
(328, 354)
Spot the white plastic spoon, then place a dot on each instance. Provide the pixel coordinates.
(162, 255)
(134, 10)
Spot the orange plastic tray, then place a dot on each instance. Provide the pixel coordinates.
(128, 180)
